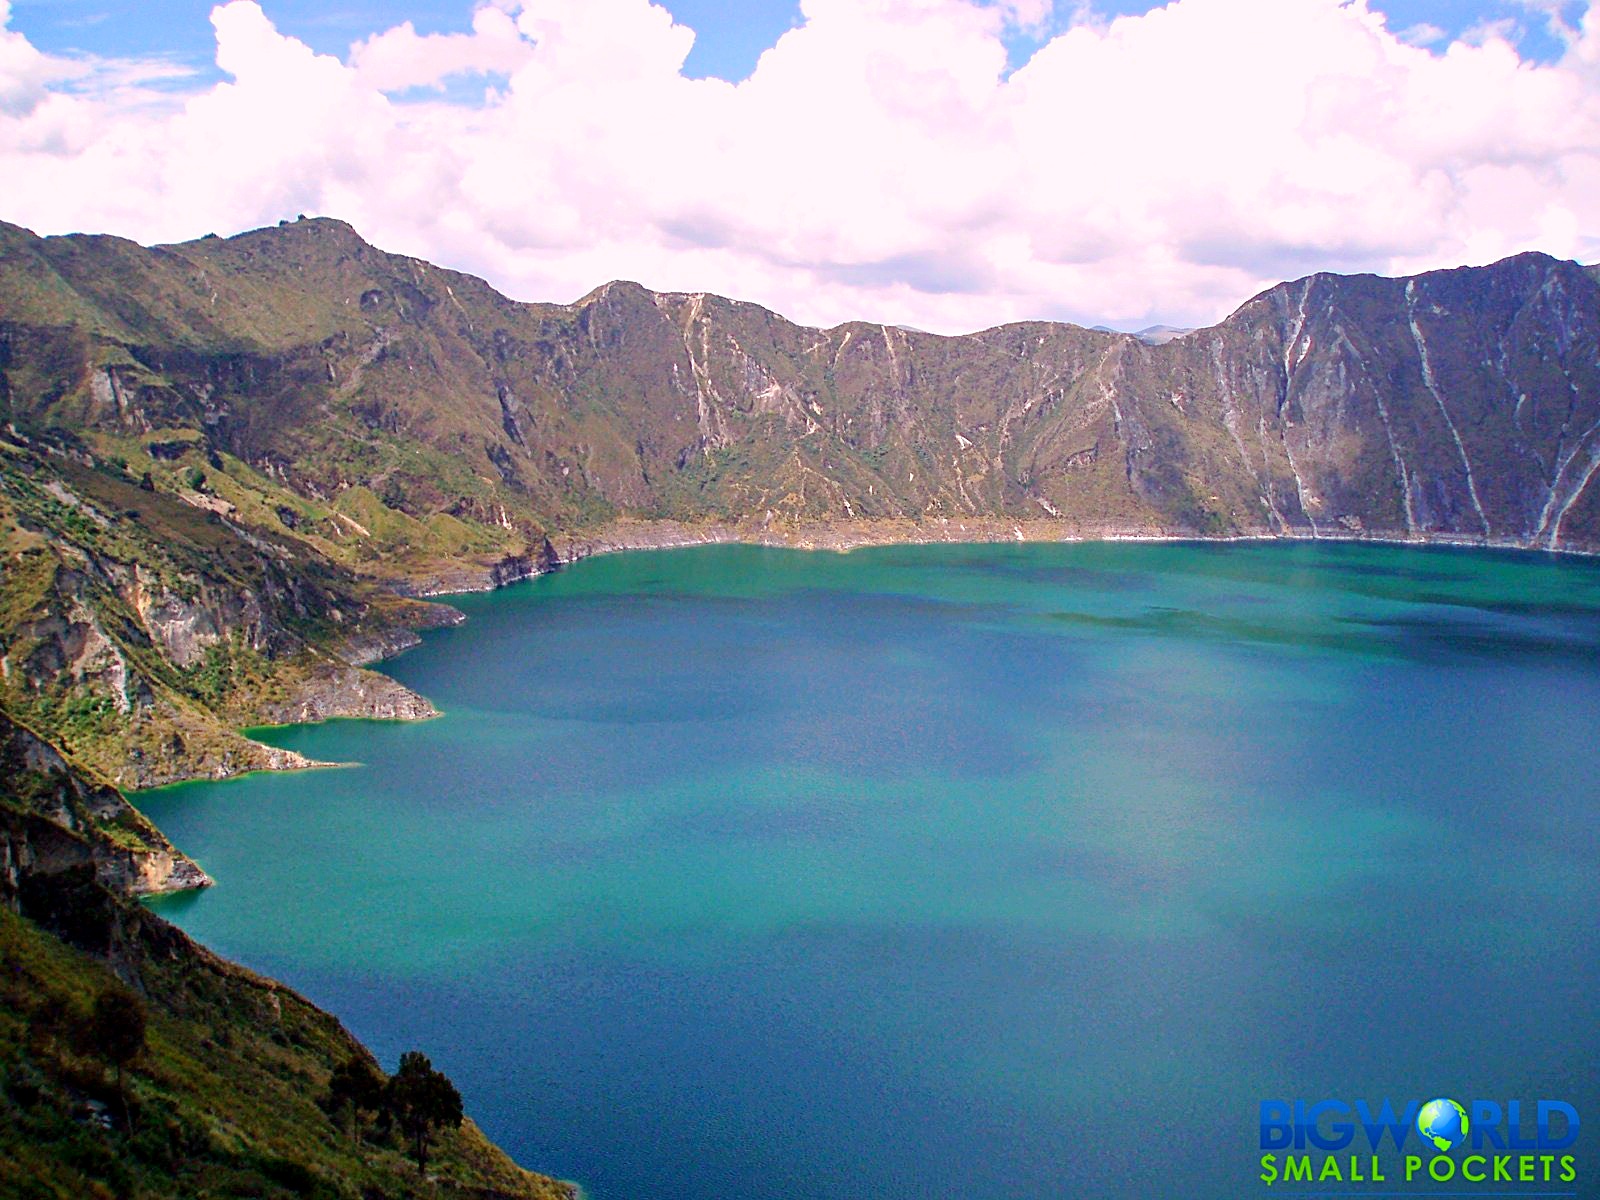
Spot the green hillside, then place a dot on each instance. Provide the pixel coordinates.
(225, 464)
(221, 1096)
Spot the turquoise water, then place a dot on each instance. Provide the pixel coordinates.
(1001, 871)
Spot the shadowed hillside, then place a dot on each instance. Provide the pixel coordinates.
(220, 1096)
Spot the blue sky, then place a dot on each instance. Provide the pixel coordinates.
(730, 34)
(947, 164)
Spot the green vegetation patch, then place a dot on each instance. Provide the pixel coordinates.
(199, 1079)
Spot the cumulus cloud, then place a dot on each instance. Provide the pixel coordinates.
(24, 72)
(883, 160)
(399, 58)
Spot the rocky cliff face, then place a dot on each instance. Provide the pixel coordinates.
(1459, 403)
(54, 820)
(336, 689)
(228, 459)
(396, 416)
(137, 629)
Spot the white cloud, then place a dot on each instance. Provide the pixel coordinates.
(1030, 16)
(24, 73)
(1555, 18)
(1493, 29)
(27, 77)
(399, 58)
(879, 162)
(1422, 34)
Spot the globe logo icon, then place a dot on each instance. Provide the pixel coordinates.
(1444, 1123)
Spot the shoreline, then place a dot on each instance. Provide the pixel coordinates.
(635, 537)
(568, 549)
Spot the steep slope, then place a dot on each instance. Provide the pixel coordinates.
(1460, 402)
(224, 459)
(464, 425)
(223, 1099)
(138, 626)
(55, 819)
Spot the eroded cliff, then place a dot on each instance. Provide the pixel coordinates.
(228, 463)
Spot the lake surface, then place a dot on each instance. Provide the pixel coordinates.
(956, 871)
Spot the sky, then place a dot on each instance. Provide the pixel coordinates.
(944, 164)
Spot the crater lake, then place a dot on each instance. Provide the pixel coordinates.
(950, 871)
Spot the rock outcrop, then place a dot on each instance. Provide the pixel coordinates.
(232, 1074)
(336, 689)
(54, 819)
(139, 635)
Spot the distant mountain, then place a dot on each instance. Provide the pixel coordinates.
(1150, 335)
(1160, 335)
(225, 456)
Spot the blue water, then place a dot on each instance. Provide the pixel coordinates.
(1000, 871)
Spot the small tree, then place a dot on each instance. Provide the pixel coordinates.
(115, 1032)
(356, 1087)
(50, 1025)
(420, 1100)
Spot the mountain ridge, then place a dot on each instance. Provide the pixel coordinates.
(227, 463)
(348, 231)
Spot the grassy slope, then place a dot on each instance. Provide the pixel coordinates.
(223, 1100)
